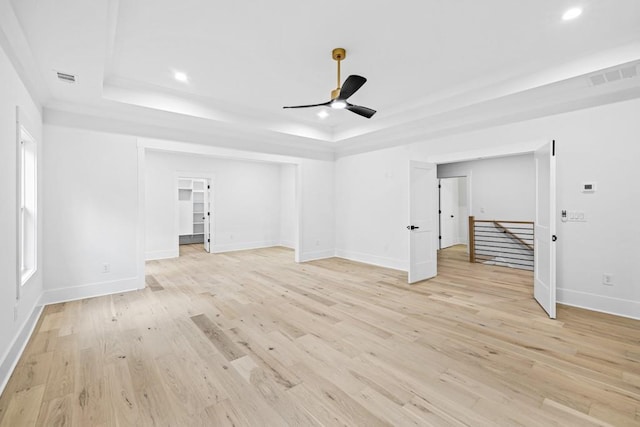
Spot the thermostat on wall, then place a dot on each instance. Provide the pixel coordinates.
(588, 187)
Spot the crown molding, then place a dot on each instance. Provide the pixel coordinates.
(17, 48)
(150, 123)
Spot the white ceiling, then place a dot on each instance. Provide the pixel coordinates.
(432, 66)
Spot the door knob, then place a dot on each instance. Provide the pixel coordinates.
(412, 227)
(451, 216)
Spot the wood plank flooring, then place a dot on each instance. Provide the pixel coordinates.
(251, 338)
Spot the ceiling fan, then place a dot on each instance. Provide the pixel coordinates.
(340, 95)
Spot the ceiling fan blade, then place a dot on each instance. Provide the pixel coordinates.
(351, 85)
(362, 111)
(311, 105)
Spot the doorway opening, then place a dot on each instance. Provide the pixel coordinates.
(194, 214)
(453, 213)
(542, 202)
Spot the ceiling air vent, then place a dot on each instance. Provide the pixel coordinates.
(67, 78)
(614, 75)
(598, 79)
(629, 72)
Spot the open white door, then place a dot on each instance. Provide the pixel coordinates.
(423, 221)
(207, 216)
(544, 272)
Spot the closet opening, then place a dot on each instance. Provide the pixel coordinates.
(194, 214)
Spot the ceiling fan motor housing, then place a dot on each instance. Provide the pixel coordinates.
(339, 54)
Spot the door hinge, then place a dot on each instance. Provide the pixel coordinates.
(208, 213)
(440, 237)
(439, 186)
(553, 147)
(208, 187)
(208, 240)
(440, 212)
(554, 238)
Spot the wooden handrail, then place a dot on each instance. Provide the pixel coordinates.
(513, 236)
(502, 220)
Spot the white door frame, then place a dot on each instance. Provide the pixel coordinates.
(467, 176)
(456, 206)
(527, 147)
(157, 145)
(210, 178)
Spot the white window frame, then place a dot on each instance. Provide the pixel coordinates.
(27, 203)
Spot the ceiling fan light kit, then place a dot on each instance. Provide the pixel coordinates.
(340, 94)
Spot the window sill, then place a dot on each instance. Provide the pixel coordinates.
(26, 275)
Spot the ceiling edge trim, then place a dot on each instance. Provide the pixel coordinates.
(118, 125)
(15, 45)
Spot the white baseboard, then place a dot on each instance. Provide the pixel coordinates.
(154, 255)
(17, 346)
(312, 256)
(53, 296)
(395, 264)
(288, 244)
(242, 246)
(603, 304)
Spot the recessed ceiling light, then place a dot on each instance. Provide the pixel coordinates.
(180, 76)
(323, 114)
(571, 14)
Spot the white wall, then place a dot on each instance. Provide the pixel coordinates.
(501, 188)
(463, 209)
(246, 201)
(91, 213)
(598, 144)
(314, 191)
(317, 213)
(288, 208)
(14, 330)
(372, 207)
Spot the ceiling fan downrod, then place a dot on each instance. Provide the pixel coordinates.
(338, 54)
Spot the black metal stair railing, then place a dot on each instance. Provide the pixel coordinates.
(502, 242)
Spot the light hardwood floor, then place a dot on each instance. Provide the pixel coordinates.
(250, 338)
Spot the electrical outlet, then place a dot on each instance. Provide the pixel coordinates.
(607, 279)
(106, 267)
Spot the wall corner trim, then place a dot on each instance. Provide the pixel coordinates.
(217, 248)
(313, 256)
(165, 254)
(394, 264)
(19, 343)
(54, 296)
